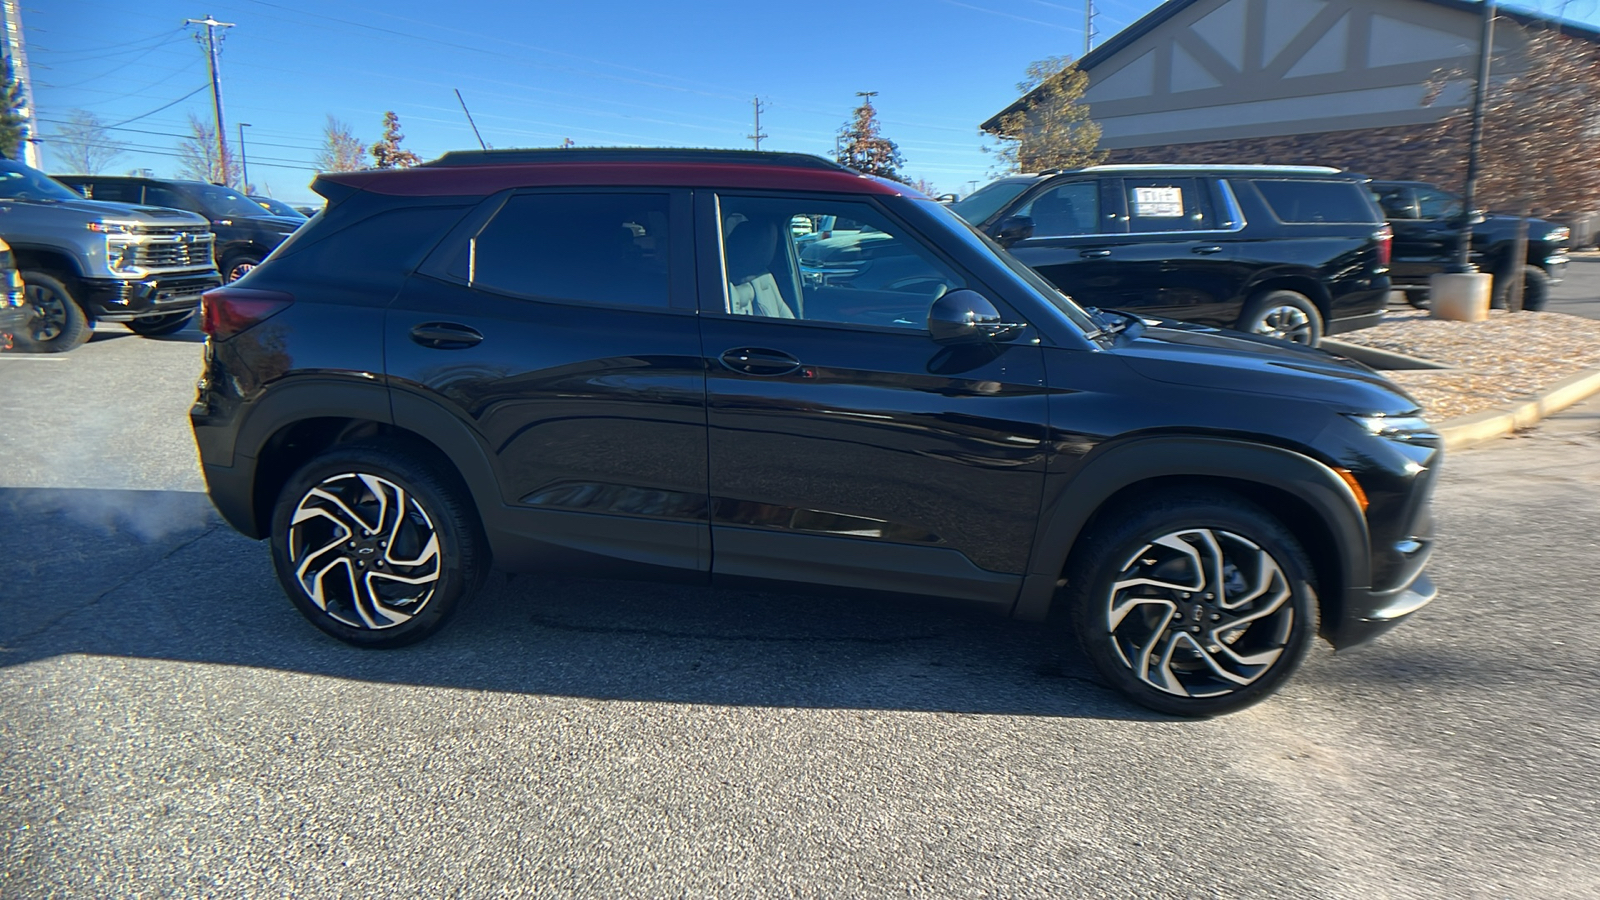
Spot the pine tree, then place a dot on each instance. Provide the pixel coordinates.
(386, 152)
(864, 148)
(1052, 129)
(11, 120)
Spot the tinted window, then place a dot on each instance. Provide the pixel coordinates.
(112, 191)
(588, 248)
(1432, 204)
(154, 195)
(1395, 202)
(1065, 209)
(1315, 201)
(855, 267)
(987, 200)
(1166, 204)
(19, 182)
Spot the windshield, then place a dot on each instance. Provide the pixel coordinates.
(278, 207)
(966, 231)
(222, 203)
(978, 206)
(19, 182)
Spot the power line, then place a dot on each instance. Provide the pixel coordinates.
(160, 108)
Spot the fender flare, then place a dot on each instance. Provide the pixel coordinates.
(1073, 500)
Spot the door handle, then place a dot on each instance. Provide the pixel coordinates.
(1094, 254)
(445, 335)
(1207, 250)
(756, 361)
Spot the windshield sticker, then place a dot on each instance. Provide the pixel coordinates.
(1158, 202)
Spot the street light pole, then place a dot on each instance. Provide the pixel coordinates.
(244, 163)
(1475, 143)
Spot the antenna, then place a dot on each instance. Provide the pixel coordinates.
(474, 125)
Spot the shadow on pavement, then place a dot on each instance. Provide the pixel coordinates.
(157, 575)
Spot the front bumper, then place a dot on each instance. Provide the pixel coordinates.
(1368, 614)
(1555, 268)
(118, 300)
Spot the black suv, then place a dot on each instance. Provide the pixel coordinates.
(616, 363)
(246, 232)
(1427, 223)
(1292, 252)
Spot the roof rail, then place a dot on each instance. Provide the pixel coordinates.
(631, 154)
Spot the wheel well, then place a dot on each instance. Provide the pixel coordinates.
(52, 262)
(1308, 528)
(1310, 287)
(298, 443)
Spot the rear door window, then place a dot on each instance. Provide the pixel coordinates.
(1303, 201)
(606, 248)
(1157, 205)
(1063, 210)
(1396, 202)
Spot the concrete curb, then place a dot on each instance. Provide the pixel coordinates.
(1382, 360)
(1472, 430)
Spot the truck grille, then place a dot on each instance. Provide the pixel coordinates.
(173, 251)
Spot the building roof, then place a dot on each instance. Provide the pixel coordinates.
(1159, 16)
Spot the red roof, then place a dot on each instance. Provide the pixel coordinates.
(459, 180)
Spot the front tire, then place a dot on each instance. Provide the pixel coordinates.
(1286, 315)
(238, 266)
(376, 546)
(159, 326)
(1535, 289)
(1193, 604)
(59, 323)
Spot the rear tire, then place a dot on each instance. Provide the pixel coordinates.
(158, 326)
(1286, 315)
(59, 323)
(1194, 603)
(375, 546)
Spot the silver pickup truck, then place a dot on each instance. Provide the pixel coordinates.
(86, 261)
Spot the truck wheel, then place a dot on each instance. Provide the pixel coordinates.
(1192, 603)
(1418, 299)
(59, 323)
(156, 326)
(238, 266)
(1286, 315)
(1535, 289)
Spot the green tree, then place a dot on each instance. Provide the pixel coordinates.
(1051, 128)
(341, 150)
(386, 152)
(863, 147)
(11, 104)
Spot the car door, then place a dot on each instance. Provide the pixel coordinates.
(559, 327)
(845, 446)
(1075, 235)
(1177, 258)
(1423, 244)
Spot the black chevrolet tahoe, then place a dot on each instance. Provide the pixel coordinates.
(1428, 221)
(617, 362)
(1293, 252)
(246, 232)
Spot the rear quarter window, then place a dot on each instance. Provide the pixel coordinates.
(1300, 201)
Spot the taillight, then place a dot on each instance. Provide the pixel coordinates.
(1385, 238)
(226, 311)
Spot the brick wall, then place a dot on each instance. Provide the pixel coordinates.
(1386, 153)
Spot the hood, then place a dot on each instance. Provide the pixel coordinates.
(1185, 354)
(148, 215)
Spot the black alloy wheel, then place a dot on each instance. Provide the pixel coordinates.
(158, 326)
(1285, 315)
(1194, 604)
(59, 323)
(375, 547)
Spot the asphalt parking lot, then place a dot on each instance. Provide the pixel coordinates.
(173, 728)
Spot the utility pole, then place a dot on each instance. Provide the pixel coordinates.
(757, 135)
(244, 161)
(16, 50)
(212, 25)
(1475, 143)
(1088, 26)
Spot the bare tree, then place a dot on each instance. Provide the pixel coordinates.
(83, 145)
(863, 147)
(387, 153)
(198, 158)
(341, 150)
(1051, 129)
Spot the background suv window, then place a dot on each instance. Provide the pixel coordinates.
(112, 191)
(1304, 201)
(1432, 204)
(1396, 202)
(1066, 209)
(155, 195)
(855, 267)
(607, 248)
(1158, 205)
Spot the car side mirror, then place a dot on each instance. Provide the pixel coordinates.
(1012, 229)
(967, 317)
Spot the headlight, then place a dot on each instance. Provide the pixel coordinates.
(1558, 234)
(106, 226)
(1398, 428)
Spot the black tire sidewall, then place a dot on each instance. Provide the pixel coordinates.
(1255, 311)
(75, 330)
(454, 521)
(1535, 289)
(1095, 564)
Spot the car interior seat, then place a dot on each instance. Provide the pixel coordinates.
(1055, 213)
(750, 245)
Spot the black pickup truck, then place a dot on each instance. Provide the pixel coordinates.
(1427, 223)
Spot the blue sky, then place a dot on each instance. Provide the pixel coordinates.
(612, 73)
